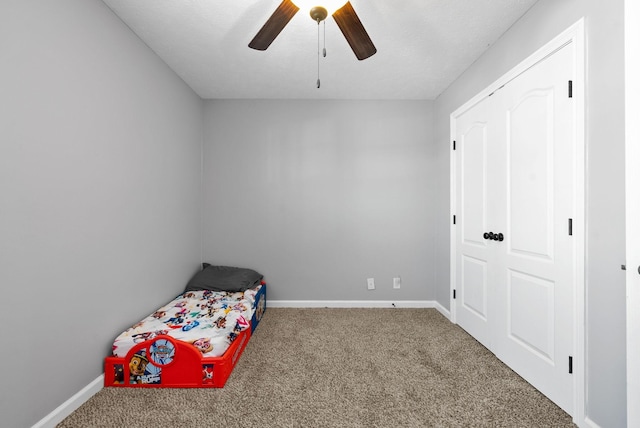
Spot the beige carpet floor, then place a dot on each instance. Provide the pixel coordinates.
(342, 368)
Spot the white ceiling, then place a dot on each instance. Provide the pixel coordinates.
(423, 46)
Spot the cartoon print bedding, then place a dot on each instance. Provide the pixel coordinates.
(195, 340)
(209, 320)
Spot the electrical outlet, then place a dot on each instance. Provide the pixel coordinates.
(370, 284)
(396, 282)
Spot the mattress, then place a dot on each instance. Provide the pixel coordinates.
(209, 320)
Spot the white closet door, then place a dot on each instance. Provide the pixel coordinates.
(479, 145)
(515, 170)
(535, 288)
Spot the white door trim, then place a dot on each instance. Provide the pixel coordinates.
(573, 35)
(632, 160)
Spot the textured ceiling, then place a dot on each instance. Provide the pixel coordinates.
(423, 46)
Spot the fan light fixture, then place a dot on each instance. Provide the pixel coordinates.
(329, 5)
(341, 11)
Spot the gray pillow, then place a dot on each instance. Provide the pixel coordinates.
(224, 278)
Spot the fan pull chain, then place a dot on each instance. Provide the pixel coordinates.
(318, 82)
(324, 36)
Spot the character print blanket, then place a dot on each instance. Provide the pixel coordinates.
(210, 320)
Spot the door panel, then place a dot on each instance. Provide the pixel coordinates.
(473, 296)
(530, 312)
(537, 339)
(474, 171)
(530, 179)
(472, 276)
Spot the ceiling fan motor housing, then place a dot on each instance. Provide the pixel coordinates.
(318, 13)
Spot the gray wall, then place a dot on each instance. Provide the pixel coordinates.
(320, 195)
(99, 195)
(605, 292)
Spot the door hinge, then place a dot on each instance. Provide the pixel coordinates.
(570, 365)
(454, 293)
(570, 227)
(454, 144)
(454, 219)
(570, 88)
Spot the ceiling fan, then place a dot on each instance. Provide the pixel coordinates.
(343, 13)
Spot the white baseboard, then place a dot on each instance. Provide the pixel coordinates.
(66, 408)
(352, 304)
(444, 311)
(588, 423)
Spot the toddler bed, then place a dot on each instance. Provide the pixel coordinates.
(195, 340)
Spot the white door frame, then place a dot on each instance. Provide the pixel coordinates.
(632, 156)
(573, 35)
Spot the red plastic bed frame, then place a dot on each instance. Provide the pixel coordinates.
(177, 364)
